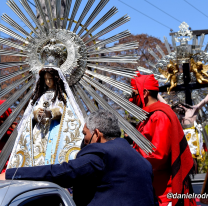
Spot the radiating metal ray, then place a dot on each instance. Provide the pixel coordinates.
(119, 47)
(151, 64)
(160, 51)
(20, 14)
(125, 69)
(11, 22)
(126, 56)
(11, 75)
(12, 44)
(74, 91)
(125, 104)
(144, 144)
(7, 123)
(96, 11)
(114, 25)
(13, 85)
(121, 86)
(58, 13)
(12, 34)
(201, 40)
(11, 64)
(148, 71)
(107, 16)
(153, 54)
(66, 13)
(194, 40)
(11, 53)
(167, 45)
(7, 149)
(74, 12)
(110, 40)
(49, 12)
(38, 5)
(11, 100)
(142, 69)
(206, 48)
(123, 59)
(88, 102)
(160, 78)
(31, 14)
(173, 42)
(115, 97)
(115, 70)
(131, 131)
(84, 13)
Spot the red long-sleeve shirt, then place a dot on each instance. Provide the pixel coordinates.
(156, 129)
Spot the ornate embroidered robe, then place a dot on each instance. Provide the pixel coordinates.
(58, 141)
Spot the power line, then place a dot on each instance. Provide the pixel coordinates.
(196, 8)
(145, 15)
(163, 11)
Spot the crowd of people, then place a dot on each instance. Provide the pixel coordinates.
(108, 170)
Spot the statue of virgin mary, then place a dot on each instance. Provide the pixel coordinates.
(50, 131)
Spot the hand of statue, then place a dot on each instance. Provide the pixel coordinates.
(48, 113)
(41, 116)
(43, 121)
(40, 112)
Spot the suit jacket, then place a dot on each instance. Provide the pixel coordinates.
(103, 174)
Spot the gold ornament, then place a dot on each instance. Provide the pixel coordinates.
(200, 70)
(170, 74)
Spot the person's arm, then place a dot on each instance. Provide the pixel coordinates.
(62, 174)
(161, 99)
(158, 131)
(202, 103)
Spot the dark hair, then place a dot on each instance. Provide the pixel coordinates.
(153, 93)
(59, 86)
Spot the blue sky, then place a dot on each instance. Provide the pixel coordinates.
(178, 9)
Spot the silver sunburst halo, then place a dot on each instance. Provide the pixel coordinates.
(83, 57)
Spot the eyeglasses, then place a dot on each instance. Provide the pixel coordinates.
(91, 138)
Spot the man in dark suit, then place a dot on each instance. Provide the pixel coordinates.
(106, 172)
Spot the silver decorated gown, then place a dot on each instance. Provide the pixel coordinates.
(55, 142)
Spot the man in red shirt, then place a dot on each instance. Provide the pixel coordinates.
(171, 161)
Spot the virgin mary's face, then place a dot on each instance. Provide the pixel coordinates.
(49, 80)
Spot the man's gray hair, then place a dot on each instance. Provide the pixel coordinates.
(105, 121)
